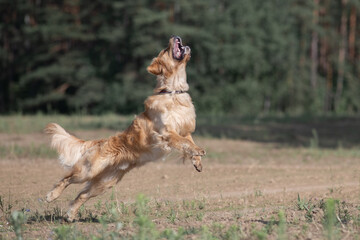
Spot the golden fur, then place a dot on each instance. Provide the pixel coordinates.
(166, 124)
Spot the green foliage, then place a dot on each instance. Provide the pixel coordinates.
(260, 234)
(248, 57)
(282, 226)
(146, 228)
(17, 221)
(308, 206)
(140, 225)
(172, 235)
(112, 212)
(330, 220)
(5, 207)
(66, 232)
(172, 216)
(314, 141)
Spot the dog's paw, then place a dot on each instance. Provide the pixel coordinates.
(50, 197)
(69, 217)
(53, 195)
(196, 161)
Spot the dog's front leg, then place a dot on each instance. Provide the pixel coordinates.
(196, 160)
(184, 144)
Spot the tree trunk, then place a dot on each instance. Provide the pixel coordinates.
(325, 60)
(352, 34)
(314, 46)
(329, 88)
(342, 52)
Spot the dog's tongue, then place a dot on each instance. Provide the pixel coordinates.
(177, 49)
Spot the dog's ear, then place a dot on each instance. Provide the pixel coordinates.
(155, 67)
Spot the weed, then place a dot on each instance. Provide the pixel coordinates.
(269, 227)
(185, 204)
(217, 228)
(188, 214)
(54, 215)
(260, 234)
(314, 141)
(63, 232)
(343, 213)
(146, 228)
(141, 205)
(237, 215)
(57, 212)
(303, 204)
(87, 215)
(258, 193)
(330, 220)
(37, 217)
(124, 209)
(173, 235)
(105, 234)
(199, 216)
(17, 221)
(66, 232)
(98, 205)
(233, 233)
(112, 213)
(282, 226)
(193, 204)
(304, 228)
(5, 208)
(172, 216)
(206, 234)
(112, 196)
(201, 204)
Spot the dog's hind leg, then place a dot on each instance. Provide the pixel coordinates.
(73, 177)
(58, 189)
(93, 188)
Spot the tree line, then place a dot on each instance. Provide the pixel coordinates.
(248, 56)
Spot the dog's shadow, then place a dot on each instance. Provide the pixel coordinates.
(59, 219)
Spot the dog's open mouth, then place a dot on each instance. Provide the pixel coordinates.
(178, 49)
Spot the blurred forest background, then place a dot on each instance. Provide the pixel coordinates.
(248, 56)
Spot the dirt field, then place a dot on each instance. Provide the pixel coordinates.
(247, 190)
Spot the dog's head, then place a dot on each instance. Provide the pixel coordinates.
(170, 58)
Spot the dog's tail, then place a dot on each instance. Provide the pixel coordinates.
(70, 148)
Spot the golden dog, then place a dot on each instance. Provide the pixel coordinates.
(166, 124)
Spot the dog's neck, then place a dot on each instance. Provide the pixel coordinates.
(175, 83)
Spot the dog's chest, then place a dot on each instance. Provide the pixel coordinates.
(176, 113)
(180, 118)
